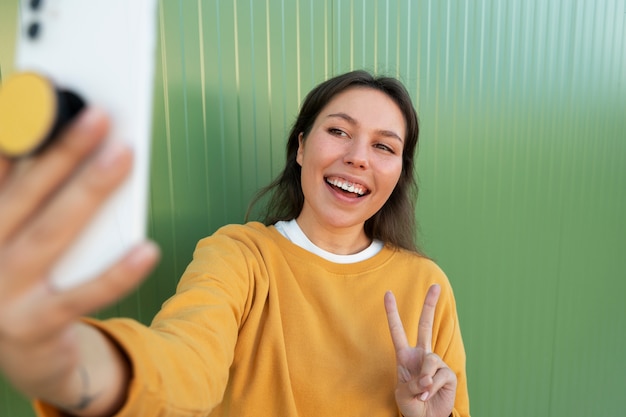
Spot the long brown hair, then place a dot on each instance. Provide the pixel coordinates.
(394, 223)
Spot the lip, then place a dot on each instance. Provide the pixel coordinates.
(352, 180)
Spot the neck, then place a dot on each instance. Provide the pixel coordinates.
(337, 240)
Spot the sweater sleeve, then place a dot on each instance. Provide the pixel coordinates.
(180, 364)
(449, 346)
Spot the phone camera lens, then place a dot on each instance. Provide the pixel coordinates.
(34, 29)
(35, 4)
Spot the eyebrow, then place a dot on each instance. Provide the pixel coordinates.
(353, 121)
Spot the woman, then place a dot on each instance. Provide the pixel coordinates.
(283, 319)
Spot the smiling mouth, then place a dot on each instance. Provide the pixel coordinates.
(347, 187)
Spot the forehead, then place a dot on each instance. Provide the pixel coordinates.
(367, 106)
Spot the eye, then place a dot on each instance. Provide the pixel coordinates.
(384, 147)
(337, 132)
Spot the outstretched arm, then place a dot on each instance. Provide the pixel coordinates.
(44, 203)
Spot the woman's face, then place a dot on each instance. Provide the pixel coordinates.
(351, 160)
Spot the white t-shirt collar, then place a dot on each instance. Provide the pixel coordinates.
(292, 231)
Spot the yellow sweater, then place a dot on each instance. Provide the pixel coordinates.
(261, 327)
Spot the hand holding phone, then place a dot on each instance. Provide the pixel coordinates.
(100, 53)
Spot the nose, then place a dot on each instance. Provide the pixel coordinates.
(357, 154)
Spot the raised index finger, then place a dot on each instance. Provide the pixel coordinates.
(427, 318)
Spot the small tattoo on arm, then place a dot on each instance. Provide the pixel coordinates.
(86, 398)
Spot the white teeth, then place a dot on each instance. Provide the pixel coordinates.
(347, 186)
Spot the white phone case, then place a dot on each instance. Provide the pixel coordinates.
(103, 50)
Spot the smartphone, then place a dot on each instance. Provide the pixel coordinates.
(103, 51)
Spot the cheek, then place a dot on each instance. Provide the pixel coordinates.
(392, 176)
(315, 155)
(390, 184)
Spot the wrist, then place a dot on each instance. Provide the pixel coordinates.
(99, 382)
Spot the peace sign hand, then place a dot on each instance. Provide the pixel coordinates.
(426, 387)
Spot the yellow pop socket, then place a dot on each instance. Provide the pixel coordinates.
(32, 111)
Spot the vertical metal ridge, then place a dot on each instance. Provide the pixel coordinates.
(203, 89)
(240, 185)
(386, 48)
(338, 43)
(448, 35)
(298, 57)
(427, 65)
(464, 47)
(222, 127)
(327, 50)
(481, 58)
(376, 69)
(283, 63)
(254, 98)
(168, 125)
(185, 82)
(270, 99)
(351, 42)
(622, 74)
(363, 36)
(409, 44)
(312, 37)
(398, 39)
(236, 46)
(418, 62)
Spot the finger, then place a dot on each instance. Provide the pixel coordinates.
(444, 377)
(93, 295)
(65, 216)
(116, 282)
(44, 310)
(31, 181)
(430, 366)
(427, 318)
(398, 336)
(5, 166)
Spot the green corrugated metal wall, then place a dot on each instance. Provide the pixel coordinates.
(522, 164)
